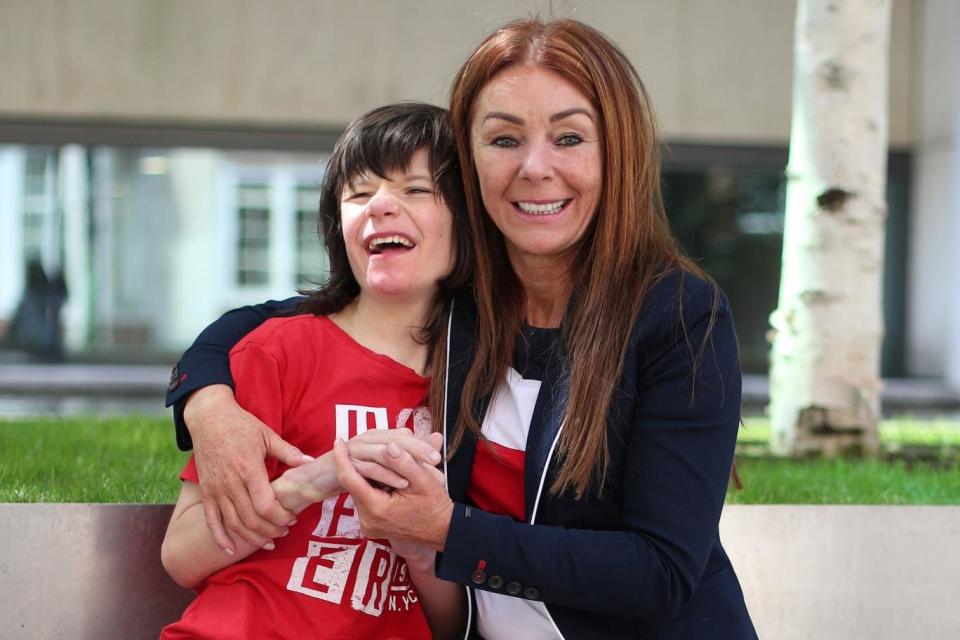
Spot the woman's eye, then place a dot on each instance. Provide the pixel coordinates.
(569, 140)
(359, 195)
(504, 141)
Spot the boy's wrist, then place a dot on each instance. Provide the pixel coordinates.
(289, 494)
(297, 488)
(421, 560)
(422, 566)
(295, 496)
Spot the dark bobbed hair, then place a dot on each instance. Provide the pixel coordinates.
(627, 248)
(382, 141)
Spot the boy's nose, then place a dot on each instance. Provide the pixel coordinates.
(382, 203)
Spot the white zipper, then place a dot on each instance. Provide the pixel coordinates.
(533, 515)
(446, 386)
(543, 474)
(446, 481)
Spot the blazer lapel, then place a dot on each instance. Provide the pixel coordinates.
(548, 412)
(463, 329)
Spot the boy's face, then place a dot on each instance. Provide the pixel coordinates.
(398, 232)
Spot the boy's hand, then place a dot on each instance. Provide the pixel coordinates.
(317, 480)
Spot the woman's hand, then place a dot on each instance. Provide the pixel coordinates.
(229, 447)
(315, 481)
(419, 512)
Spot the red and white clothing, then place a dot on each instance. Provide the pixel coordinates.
(312, 383)
(497, 480)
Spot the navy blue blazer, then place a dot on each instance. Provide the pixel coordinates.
(641, 560)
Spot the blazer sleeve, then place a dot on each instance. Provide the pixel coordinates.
(679, 451)
(207, 361)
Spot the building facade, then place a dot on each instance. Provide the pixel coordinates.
(170, 171)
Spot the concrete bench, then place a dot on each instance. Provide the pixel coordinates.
(808, 572)
(85, 571)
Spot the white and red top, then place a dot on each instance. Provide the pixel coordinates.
(311, 382)
(497, 480)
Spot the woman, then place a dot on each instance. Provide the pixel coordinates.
(349, 367)
(584, 498)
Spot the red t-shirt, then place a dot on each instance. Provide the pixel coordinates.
(311, 382)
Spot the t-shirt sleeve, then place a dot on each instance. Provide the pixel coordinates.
(206, 362)
(256, 374)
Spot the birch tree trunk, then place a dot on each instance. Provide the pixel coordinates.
(828, 327)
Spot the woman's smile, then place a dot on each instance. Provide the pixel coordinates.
(545, 208)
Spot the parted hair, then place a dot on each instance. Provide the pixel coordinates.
(626, 249)
(382, 141)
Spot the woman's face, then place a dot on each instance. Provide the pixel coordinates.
(398, 232)
(537, 151)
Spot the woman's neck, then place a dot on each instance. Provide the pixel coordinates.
(546, 294)
(546, 287)
(389, 328)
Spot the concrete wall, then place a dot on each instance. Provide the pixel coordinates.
(823, 572)
(718, 71)
(847, 572)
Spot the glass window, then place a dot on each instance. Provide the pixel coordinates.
(730, 217)
(253, 234)
(311, 258)
(157, 242)
(39, 200)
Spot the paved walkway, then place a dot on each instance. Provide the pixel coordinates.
(76, 388)
(100, 379)
(34, 390)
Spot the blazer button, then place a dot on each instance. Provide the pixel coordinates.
(174, 379)
(531, 593)
(513, 588)
(478, 577)
(495, 582)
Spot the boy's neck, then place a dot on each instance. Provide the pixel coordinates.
(390, 328)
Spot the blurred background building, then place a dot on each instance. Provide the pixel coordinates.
(160, 159)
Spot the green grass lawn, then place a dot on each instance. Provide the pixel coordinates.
(777, 481)
(136, 460)
(89, 460)
(895, 434)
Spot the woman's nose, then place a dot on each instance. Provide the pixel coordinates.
(536, 163)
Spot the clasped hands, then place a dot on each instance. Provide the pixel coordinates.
(397, 490)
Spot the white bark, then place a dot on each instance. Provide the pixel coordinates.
(828, 326)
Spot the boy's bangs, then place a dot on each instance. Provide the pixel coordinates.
(383, 148)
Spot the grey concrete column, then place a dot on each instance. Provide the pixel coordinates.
(74, 190)
(933, 315)
(11, 229)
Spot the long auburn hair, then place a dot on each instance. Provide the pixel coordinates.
(625, 251)
(381, 141)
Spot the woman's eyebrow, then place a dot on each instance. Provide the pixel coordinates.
(560, 115)
(566, 113)
(500, 115)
